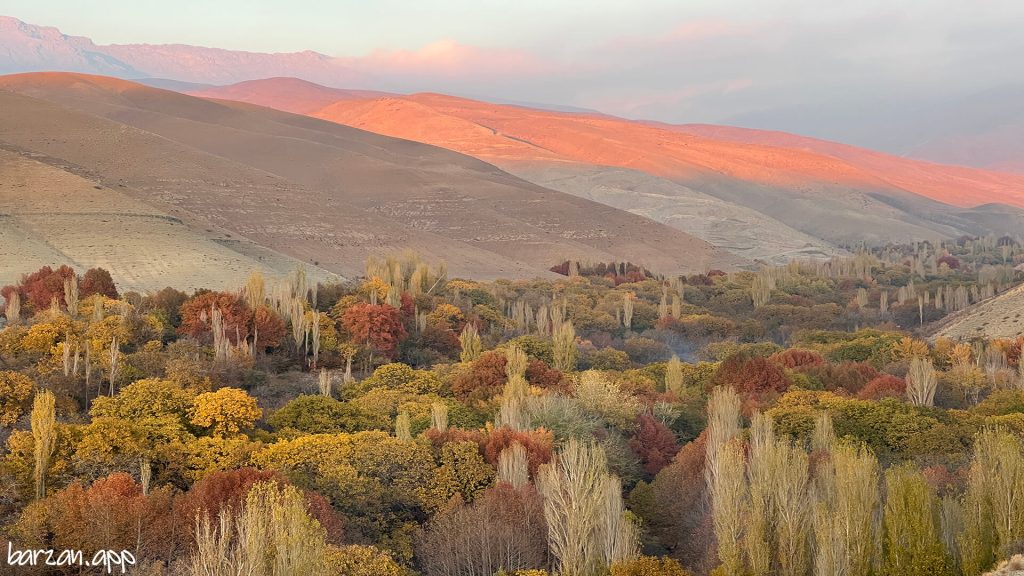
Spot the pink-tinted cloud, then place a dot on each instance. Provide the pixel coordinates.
(452, 59)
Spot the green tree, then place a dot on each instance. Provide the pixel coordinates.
(993, 515)
(316, 414)
(913, 539)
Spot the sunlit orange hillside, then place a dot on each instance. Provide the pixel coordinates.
(764, 195)
(512, 133)
(288, 94)
(957, 185)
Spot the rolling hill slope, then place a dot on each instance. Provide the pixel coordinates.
(764, 195)
(52, 216)
(998, 317)
(322, 193)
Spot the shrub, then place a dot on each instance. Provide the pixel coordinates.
(316, 414)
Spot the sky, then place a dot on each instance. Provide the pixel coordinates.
(770, 63)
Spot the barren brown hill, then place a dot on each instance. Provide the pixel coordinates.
(810, 198)
(998, 317)
(323, 193)
(51, 216)
(288, 94)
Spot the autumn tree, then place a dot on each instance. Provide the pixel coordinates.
(378, 327)
(484, 378)
(373, 478)
(197, 321)
(587, 531)
(566, 353)
(782, 471)
(226, 411)
(44, 433)
(604, 397)
(794, 358)
(227, 490)
(12, 305)
(845, 513)
(921, 382)
(993, 518)
(462, 473)
(111, 513)
(317, 414)
(513, 466)
(148, 398)
(403, 427)
(271, 534)
(751, 375)
(98, 281)
(71, 295)
(269, 330)
(913, 533)
(470, 342)
(723, 414)
(674, 376)
(38, 289)
(674, 507)
(654, 443)
(15, 393)
(884, 386)
(503, 529)
(727, 488)
(361, 560)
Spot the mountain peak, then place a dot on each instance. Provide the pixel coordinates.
(29, 48)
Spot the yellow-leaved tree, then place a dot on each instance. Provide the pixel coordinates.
(226, 411)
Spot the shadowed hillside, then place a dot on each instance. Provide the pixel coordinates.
(764, 195)
(323, 193)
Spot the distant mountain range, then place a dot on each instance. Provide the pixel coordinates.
(28, 48)
(984, 131)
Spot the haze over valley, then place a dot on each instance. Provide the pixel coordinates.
(458, 288)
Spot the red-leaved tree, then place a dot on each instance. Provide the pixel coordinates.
(268, 327)
(97, 281)
(228, 489)
(797, 358)
(654, 443)
(196, 318)
(110, 514)
(376, 326)
(884, 386)
(753, 375)
(39, 288)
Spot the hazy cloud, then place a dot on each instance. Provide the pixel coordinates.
(761, 62)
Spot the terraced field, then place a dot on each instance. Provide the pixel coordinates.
(51, 216)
